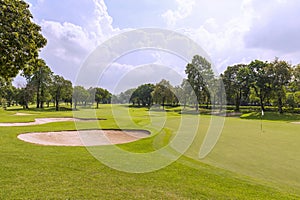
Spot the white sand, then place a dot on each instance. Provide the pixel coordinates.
(39, 121)
(22, 114)
(295, 122)
(84, 138)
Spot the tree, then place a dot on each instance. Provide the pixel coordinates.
(143, 95)
(102, 96)
(295, 83)
(20, 38)
(40, 79)
(25, 95)
(124, 97)
(80, 94)
(7, 91)
(260, 80)
(280, 75)
(186, 93)
(163, 93)
(60, 89)
(236, 80)
(200, 73)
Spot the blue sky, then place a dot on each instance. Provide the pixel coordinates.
(231, 31)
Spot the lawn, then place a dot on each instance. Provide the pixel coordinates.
(246, 163)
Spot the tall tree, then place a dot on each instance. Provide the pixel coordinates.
(163, 93)
(60, 89)
(236, 80)
(102, 96)
(280, 74)
(296, 78)
(40, 79)
(187, 93)
(200, 73)
(260, 80)
(20, 38)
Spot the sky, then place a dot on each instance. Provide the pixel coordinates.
(230, 32)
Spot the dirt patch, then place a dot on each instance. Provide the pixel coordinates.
(39, 121)
(84, 137)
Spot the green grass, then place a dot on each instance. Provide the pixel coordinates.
(246, 163)
(273, 116)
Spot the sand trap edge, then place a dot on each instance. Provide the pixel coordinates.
(84, 137)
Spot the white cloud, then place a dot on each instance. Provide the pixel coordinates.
(184, 9)
(277, 28)
(69, 43)
(230, 31)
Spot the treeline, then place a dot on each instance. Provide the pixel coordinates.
(44, 87)
(260, 83)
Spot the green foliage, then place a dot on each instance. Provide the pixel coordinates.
(102, 96)
(237, 84)
(143, 95)
(40, 80)
(163, 93)
(20, 38)
(61, 89)
(200, 75)
(80, 94)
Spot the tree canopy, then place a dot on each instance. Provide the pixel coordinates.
(20, 38)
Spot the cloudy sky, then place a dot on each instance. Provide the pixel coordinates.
(230, 31)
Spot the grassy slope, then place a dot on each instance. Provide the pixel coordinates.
(42, 172)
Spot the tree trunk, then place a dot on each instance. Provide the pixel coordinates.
(237, 103)
(56, 104)
(280, 105)
(97, 104)
(42, 97)
(38, 96)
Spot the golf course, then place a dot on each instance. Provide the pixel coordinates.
(178, 99)
(253, 158)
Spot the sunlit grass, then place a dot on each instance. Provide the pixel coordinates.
(257, 164)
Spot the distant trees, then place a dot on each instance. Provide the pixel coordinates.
(83, 96)
(143, 95)
(163, 93)
(61, 89)
(260, 83)
(272, 83)
(80, 94)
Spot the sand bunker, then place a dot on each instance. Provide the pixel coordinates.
(39, 121)
(84, 137)
(22, 114)
(295, 122)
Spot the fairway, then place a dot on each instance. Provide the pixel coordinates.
(246, 163)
